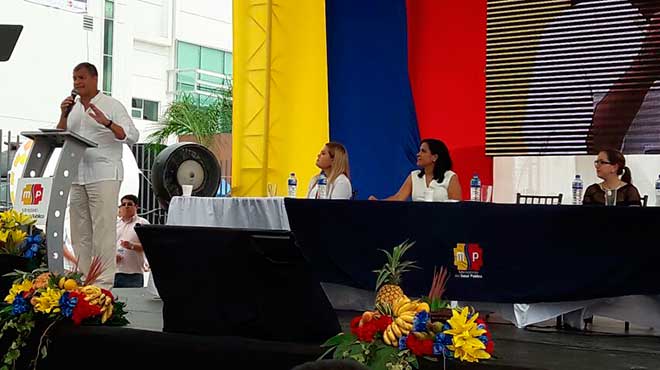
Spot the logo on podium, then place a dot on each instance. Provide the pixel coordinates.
(32, 194)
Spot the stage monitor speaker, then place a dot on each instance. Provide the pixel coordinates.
(8, 38)
(236, 282)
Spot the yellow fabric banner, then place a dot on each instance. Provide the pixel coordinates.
(280, 93)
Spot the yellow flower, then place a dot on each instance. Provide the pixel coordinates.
(4, 233)
(48, 301)
(465, 344)
(17, 236)
(22, 218)
(24, 286)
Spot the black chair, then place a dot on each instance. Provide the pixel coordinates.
(645, 200)
(539, 199)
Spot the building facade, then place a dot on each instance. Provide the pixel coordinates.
(146, 52)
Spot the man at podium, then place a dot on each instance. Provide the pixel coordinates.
(93, 198)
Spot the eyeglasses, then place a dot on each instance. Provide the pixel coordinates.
(600, 162)
(127, 205)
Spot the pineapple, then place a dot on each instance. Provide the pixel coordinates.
(389, 277)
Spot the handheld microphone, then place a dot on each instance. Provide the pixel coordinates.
(74, 93)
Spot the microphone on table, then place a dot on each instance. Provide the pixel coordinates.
(74, 93)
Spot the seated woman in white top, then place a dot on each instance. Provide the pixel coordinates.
(435, 181)
(333, 162)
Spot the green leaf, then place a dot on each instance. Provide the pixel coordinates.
(338, 339)
(382, 356)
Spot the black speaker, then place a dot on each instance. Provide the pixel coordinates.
(237, 282)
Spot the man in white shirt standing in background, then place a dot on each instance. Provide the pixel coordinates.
(130, 254)
(93, 200)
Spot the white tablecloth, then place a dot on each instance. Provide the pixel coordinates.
(252, 213)
(642, 310)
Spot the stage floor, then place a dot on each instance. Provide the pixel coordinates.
(606, 346)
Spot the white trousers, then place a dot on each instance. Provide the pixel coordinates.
(93, 209)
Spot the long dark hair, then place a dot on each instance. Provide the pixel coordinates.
(616, 157)
(443, 163)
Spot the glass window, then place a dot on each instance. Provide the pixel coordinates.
(144, 109)
(229, 64)
(109, 9)
(150, 112)
(107, 74)
(108, 37)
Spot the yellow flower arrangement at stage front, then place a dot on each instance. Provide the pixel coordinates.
(465, 332)
(42, 297)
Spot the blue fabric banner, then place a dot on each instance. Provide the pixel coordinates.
(370, 100)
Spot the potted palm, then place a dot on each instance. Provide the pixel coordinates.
(204, 119)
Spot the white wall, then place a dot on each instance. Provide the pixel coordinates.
(552, 175)
(205, 22)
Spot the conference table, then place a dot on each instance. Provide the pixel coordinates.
(529, 263)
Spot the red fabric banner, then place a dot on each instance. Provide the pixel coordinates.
(447, 66)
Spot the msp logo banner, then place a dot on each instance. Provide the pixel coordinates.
(468, 259)
(32, 194)
(32, 197)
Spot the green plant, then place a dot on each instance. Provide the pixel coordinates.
(197, 115)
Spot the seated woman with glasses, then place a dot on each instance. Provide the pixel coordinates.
(615, 191)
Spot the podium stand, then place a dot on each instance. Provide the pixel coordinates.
(73, 147)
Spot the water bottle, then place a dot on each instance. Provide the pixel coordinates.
(577, 187)
(657, 191)
(475, 188)
(322, 187)
(292, 182)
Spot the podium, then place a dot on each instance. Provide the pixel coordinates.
(47, 197)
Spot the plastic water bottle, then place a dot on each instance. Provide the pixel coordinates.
(322, 187)
(577, 187)
(292, 183)
(657, 191)
(475, 188)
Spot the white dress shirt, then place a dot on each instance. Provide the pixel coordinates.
(133, 261)
(103, 162)
(339, 189)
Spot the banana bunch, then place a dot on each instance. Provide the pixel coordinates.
(95, 296)
(404, 311)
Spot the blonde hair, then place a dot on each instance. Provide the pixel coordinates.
(340, 165)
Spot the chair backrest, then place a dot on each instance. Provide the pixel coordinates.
(645, 200)
(539, 199)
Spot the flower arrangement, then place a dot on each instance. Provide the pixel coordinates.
(19, 236)
(400, 330)
(46, 298)
(398, 337)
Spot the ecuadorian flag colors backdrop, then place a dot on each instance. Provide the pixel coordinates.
(375, 75)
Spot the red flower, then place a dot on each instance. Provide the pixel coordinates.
(490, 347)
(382, 323)
(83, 309)
(419, 347)
(355, 324)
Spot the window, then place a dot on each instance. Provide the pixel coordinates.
(191, 57)
(144, 109)
(108, 32)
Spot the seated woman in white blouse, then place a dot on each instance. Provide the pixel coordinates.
(435, 181)
(333, 162)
